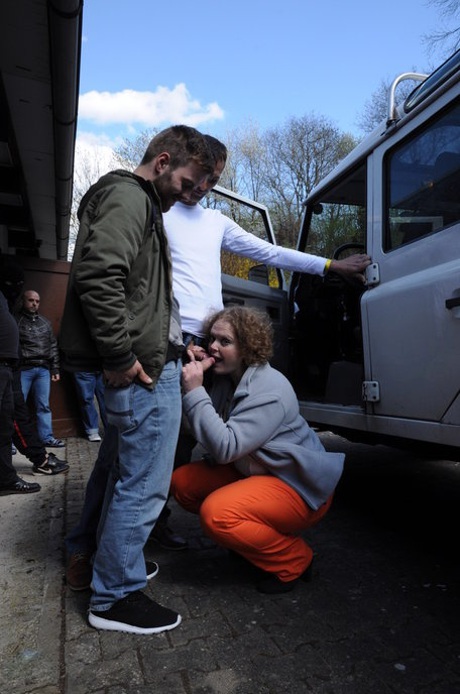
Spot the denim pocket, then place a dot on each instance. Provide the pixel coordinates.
(119, 407)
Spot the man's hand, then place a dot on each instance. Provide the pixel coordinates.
(192, 373)
(121, 379)
(354, 265)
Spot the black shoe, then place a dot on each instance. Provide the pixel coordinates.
(135, 614)
(52, 466)
(20, 487)
(272, 584)
(166, 538)
(54, 443)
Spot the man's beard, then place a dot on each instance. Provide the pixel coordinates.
(163, 186)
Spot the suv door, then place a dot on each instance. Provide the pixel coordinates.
(413, 313)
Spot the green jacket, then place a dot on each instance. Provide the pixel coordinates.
(119, 297)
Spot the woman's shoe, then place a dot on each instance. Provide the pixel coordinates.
(272, 585)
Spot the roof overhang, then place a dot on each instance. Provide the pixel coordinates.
(40, 48)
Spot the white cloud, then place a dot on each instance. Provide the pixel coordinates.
(94, 156)
(148, 109)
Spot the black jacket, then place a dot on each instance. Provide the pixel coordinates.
(38, 346)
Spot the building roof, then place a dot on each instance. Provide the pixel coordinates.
(40, 49)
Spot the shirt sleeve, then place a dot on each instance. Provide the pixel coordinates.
(242, 242)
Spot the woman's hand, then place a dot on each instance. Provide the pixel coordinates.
(198, 352)
(192, 373)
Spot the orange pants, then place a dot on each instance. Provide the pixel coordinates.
(260, 517)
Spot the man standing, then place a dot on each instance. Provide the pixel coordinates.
(39, 358)
(196, 254)
(11, 283)
(26, 439)
(120, 315)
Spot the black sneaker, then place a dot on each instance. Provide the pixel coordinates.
(52, 466)
(135, 614)
(20, 487)
(167, 538)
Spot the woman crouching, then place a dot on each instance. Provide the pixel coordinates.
(265, 477)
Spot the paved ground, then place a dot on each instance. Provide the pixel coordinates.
(381, 615)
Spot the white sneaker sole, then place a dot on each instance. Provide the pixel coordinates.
(111, 625)
(153, 572)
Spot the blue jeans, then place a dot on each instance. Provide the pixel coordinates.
(82, 538)
(38, 381)
(148, 426)
(90, 385)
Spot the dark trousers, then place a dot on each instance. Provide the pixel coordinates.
(8, 474)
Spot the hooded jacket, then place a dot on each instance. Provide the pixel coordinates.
(119, 298)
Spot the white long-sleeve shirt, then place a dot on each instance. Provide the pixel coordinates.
(196, 237)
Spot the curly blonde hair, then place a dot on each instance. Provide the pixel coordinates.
(253, 330)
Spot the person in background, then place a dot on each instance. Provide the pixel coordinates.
(120, 316)
(264, 477)
(26, 439)
(90, 385)
(39, 363)
(11, 284)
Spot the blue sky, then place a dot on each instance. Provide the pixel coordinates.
(217, 65)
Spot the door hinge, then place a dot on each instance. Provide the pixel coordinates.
(372, 274)
(371, 391)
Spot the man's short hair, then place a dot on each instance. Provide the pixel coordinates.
(183, 144)
(218, 149)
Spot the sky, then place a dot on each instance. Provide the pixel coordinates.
(220, 66)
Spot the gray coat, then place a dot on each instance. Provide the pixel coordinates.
(264, 427)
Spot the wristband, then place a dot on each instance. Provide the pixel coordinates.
(327, 266)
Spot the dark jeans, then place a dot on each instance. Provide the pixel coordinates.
(8, 474)
(83, 538)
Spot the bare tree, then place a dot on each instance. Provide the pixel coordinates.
(302, 152)
(375, 109)
(129, 154)
(446, 39)
(90, 164)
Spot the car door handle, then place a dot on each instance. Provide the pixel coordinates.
(451, 303)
